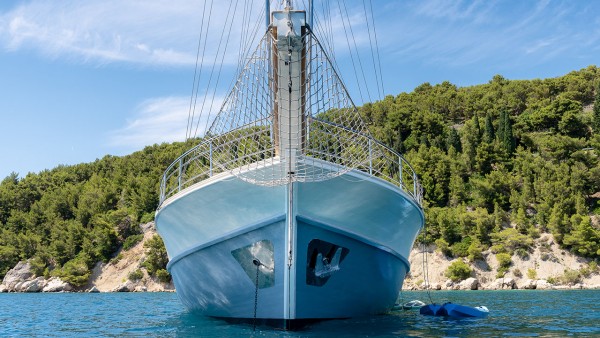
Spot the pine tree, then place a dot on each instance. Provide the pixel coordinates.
(505, 133)
(477, 128)
(454, 140)
(488, 134)
(597, 112)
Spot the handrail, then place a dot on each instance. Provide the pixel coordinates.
(205, 160)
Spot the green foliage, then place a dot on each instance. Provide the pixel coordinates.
(487, 155)
(531, 274)
(584, 239)
(461, 249)
(504, 263)
(75, 271)
(131, 241)
(71, 217)
(596, 121)
(510, 239)
(156, 255)
(475, 250)
(458, 271)
(570, 277)
(163, 275)
(136, 275)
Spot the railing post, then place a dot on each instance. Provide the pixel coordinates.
(210, 156)
(370, 159)
(163, 188)
(400, 172)
(179, 177)
(415, 185)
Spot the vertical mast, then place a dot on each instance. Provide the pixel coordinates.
(267, 13)
(289, 125)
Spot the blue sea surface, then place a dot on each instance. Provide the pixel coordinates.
(512, 314)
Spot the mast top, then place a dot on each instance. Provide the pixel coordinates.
(288, 4)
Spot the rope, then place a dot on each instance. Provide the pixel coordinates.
(426, 268)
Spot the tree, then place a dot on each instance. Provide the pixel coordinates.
(488, 133)
(597, 111)
(505, 133)
(458, 271)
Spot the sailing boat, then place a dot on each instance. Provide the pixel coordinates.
(289, 211)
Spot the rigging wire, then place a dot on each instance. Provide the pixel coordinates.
(194, 84)
(350, 50)
(248, 49)
(212, 101)
(377, 47)
(357, 53)
(371, 45)
(195, 95)
(214, 65)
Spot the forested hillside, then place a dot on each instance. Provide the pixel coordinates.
(500, 163)
(503, 161)
(71, 217)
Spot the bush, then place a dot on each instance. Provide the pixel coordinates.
(163, 275)
(523, 253)
(131, 241)
(475, 250)
(517, 273)
(461, 249)
(531, 274)
(116, 260)
(136, 275)
(504, 262)
(75, 271)
(443, 246)
(589, 270)
(570, 277)
(156, 255)
(458, 271)
(511, 240)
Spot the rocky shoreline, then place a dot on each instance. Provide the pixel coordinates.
(113, 276)
(545, 267)
(547, 261)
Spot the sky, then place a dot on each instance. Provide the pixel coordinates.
(83, 79)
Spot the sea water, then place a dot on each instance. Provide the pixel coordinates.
(516, 313)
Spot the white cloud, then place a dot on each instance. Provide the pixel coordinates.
(158, 120)
(163, 32)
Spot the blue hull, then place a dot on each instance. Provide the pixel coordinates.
(341, 252)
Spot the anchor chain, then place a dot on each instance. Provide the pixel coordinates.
(258, 264)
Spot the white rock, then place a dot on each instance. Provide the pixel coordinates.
(56, 284)
(20, 273)
(35, 285)
(140, 288)
(3, 288)
(469, 284)
(93, 289)
(125, 287)
(527, 284)
(542, 284)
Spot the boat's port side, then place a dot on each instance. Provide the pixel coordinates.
(222, 280)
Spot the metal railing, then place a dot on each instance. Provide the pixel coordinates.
(212, 157)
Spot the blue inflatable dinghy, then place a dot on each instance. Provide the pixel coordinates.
(454, 311)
